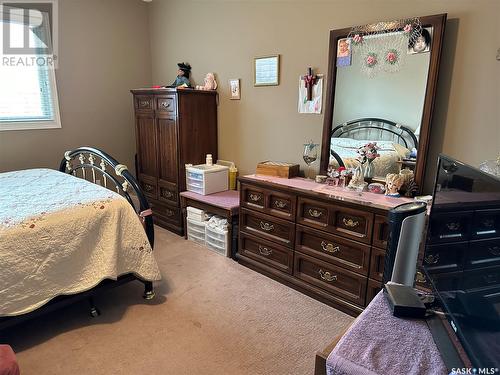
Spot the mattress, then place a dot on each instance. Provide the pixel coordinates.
(61, 235)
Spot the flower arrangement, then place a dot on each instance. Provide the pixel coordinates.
(371, 60)
(407, 29)
(368, 153)
(357, 39)
(392, 56)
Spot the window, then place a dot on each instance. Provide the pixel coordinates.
(28, 93)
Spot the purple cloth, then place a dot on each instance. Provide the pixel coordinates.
(229, 199)
(378, 343)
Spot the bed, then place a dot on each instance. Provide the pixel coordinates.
(64, 237)
(395, 141)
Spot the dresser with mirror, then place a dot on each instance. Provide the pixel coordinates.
(329, 242)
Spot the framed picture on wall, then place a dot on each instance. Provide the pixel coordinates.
(234, 85)
(267, 70)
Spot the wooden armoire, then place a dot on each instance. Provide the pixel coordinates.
(173, 127)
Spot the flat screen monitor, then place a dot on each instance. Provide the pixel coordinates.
(462, 257)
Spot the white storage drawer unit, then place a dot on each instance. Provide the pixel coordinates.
(204, 179)
(217, 240)
(196, 231)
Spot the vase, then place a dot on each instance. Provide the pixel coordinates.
(369, 170)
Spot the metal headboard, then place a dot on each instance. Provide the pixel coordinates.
(386, 129)
(98, 167)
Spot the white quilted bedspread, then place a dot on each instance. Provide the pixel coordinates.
(62, 235)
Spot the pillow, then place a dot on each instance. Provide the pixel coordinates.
(402, 151)
(354, 144)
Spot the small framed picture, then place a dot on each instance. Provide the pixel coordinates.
(267, 70)
(343, 52)
(234, 85)
(422, 43)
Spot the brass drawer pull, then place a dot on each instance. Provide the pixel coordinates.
(453, 226)
(254, 197)
(148, 188)
(170, 213)
(350, 222)
(167, 194)
(279, 203)
(494, 250)
(266, 226)
(165, 105)
(329, 248)
(327, 276)
(432, 259)
(265, 251)
(144, 103)
(315, 213)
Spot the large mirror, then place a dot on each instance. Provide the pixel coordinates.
(381, 87)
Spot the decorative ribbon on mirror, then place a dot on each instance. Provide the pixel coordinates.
(383, 46)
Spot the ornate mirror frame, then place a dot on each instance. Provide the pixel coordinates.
(438, 23)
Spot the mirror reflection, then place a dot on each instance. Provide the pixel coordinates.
(380, 90)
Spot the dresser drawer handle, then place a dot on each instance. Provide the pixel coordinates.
(265, 251)
(254, 197)
(454, 226)
(279, 203)
(148, 188)
(144, 103)
(329, 248)
(167, 194)
(327, 276)
(266, 226)
(350, 222)
(432, 259)
(315, 213)
(165, 105)
(170, 213)
(494, 250)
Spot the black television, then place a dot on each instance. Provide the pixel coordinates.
(462, 257)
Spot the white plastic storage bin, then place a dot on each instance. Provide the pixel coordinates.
(196, 231)
(217, 240)
(204, 179)
(196, 214)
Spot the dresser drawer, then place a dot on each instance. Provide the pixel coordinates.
(450, 227)
(268, 227)
(143, 103)
(344, 221)
(275, 203)
(266, 252)
(165, 104)
(380, 231)
(483, 253)
(327, 276)
(377, 260)
(486, 224)
(445, 258)
(168, 193)
(342, 252)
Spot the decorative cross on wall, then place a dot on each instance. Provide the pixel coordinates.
(309, 81)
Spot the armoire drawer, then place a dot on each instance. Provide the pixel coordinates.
(149, 186)
(268, 227)
(143, 103)
(271, 202)
(165, 104)
(168, 193)
(167, 213)
(347, 222)
(331, 278)
(342, 252)
(266, 252)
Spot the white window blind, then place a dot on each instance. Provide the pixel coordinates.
(28, 94)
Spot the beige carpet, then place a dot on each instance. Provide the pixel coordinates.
(211, 316)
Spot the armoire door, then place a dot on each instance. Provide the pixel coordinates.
(167, 159)
(146, 154)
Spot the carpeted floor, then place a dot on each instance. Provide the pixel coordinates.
(210, 316)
